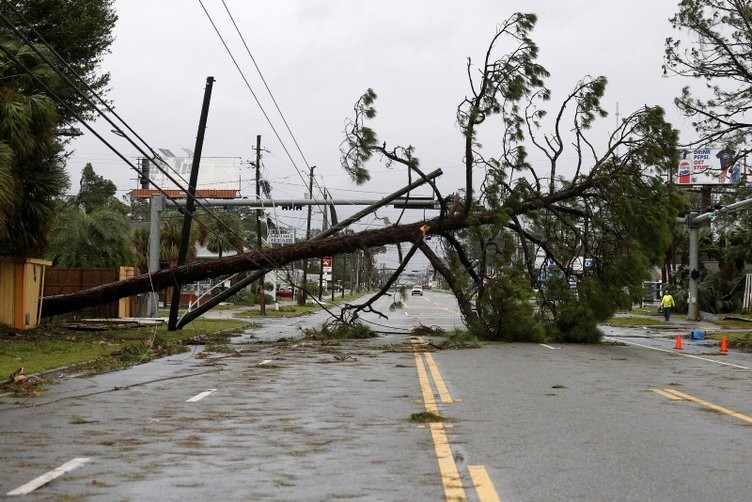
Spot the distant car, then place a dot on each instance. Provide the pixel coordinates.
(284, 293)
(417, 290)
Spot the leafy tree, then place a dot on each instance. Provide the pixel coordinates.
(597, 207)
(97, 192)
(80, 31)
(99, 238)
(717, 51)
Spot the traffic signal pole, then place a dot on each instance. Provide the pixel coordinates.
(693, 306)
(694, 221)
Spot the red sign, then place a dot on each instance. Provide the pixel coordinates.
(327, 262)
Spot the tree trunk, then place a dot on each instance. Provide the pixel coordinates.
(466, 306)
(254, 260)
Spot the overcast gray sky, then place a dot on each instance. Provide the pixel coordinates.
(319, 56)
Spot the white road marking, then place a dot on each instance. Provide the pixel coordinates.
(200, 396)
(49, 476)
(549, 347)
(724, 363)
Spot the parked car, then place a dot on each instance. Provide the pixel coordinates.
(284, 293)
(417, 290)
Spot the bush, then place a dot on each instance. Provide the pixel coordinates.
(506, 312)
(574, 323)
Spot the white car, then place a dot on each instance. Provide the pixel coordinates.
(417, 290)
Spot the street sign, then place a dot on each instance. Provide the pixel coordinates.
(326, 263)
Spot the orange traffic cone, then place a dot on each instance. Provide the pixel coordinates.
(724, 344)
(678, 345)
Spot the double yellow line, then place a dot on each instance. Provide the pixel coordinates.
(450, 476)
(676, 395)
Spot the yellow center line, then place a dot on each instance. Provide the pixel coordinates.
(483, 485)
(710, 405)
(425, 385)
(440, 386)
(450, 476)
(666, 394)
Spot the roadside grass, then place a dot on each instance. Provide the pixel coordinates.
(738, 322)
(292, 309)
(54, 346)
(736, 340)
(636, 321)
(283, 311)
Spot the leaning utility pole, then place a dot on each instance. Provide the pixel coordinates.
(302, 292)
(190, 205)
(262, 289)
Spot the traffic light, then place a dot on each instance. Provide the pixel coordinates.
(416, 203)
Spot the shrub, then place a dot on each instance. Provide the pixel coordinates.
(506, 312)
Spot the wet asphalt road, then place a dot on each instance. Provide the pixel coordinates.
(287, 419)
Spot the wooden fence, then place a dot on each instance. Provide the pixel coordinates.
(70, 280)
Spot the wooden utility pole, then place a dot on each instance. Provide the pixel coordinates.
(303, 292)
(190, 205)
(259, 242)
(321, 260)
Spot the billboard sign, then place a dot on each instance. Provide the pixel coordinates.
(709, 166)
(281, 236)
(326, 263)
(214, 173)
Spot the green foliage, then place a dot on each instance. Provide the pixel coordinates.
(458, 339)
(225, 233)
(170, 235)
(32, 175)
(80, 31)
(426, 417)
(361, 141)
(574, 323)
(714, 47)
(96, 239)
(423, 330)
(340, 331)
(95, 191)
(505, 311)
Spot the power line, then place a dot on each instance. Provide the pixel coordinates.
(91, 103)
(255, 97)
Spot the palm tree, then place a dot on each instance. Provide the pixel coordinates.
(171, 232)
(97, 239)
(225, 234)
(32, 175)
(140, 241)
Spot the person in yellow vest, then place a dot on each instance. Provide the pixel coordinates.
(667, 303)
